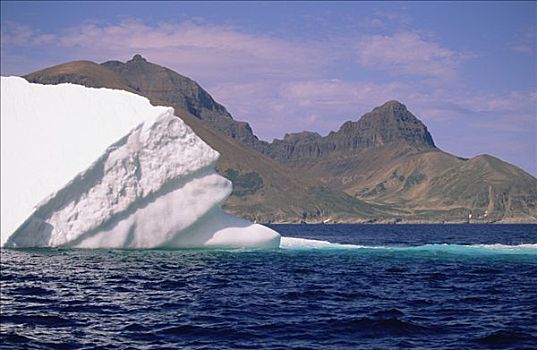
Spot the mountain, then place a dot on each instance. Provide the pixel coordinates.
(264, 189)
(268, 191)
(154, 82)
(384, 166)
(388, 125)
(388, 157)
(182, 93)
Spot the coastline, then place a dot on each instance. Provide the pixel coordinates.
(398, 221)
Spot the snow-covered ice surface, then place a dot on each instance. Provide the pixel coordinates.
(101, 168)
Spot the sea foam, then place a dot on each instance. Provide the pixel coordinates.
(294, 243)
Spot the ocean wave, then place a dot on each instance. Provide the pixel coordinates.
(292, 243)
(303, 243)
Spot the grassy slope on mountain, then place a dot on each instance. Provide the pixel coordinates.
(282, 196)
(410, 173)
(85, 73)
(436, 185)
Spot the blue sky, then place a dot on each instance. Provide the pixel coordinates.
(467, 69)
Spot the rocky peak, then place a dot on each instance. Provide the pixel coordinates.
(389, 112)
(392, 106)
(137, 58)
(301, 136)
(390, 123)
(166, 86)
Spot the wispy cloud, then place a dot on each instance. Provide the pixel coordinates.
(16, 34)
(409, 53)
(207, 50)
(314, 104)
(525, 43)
(396, 20)
(324, 104)
(204, 51)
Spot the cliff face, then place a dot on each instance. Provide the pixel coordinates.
(384, 165)
(388, 125)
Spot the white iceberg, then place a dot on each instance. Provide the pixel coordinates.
(101, 168)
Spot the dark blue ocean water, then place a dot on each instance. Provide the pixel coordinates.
(423, 287)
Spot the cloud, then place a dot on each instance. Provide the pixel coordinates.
(408, 53)
(201, 50)
(525, 43)
(523, 48)
(396, 20)
(323, 105)
(21, 35)
(208, 52)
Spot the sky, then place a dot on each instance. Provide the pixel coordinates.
(466, 69)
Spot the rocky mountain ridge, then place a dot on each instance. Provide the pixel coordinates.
(389, 124)
(264, 190)
(384, 166)
(157, 82)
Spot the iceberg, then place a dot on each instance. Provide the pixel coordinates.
(101, 168)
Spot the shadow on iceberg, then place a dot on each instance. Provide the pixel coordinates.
(216, 229)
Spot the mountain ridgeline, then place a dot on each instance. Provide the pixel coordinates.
(384, 167)
(154, 81)
(264, 189)
(388, 125)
